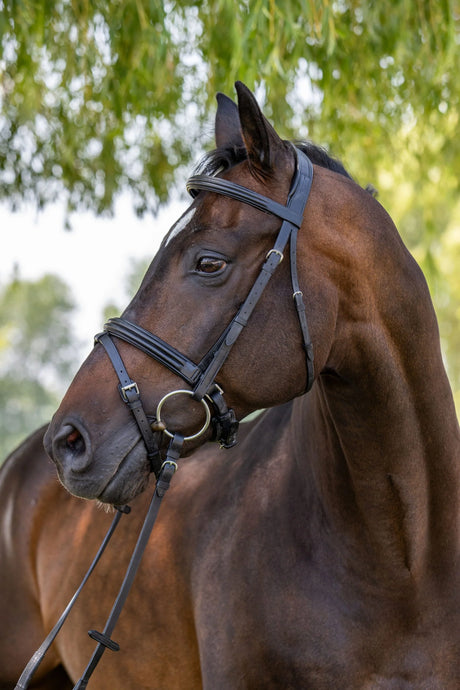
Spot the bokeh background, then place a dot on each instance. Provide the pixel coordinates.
(105, 106)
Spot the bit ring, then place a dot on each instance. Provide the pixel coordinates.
(202, 401)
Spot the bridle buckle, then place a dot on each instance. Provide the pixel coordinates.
(129, 387)
(274, 251)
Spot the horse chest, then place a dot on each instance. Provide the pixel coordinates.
(295, 643)
(280, 622)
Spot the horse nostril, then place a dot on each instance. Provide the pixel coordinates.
(75, 442)
(71, 448)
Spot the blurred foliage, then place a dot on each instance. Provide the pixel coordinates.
(136, 270)
(448, 304)
(100, 96)
(103, 96)
(37, 354)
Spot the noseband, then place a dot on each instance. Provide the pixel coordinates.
(201, 377)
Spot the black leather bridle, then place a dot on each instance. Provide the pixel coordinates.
(201, 377)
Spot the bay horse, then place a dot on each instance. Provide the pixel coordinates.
(322, 550)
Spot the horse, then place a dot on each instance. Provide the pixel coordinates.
(321, 549)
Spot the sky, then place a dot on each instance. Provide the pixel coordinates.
(93, 258)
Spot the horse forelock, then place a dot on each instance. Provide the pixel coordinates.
(220, 160)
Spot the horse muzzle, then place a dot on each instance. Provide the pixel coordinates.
(114, 472)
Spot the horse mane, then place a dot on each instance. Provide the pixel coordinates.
(224, 158)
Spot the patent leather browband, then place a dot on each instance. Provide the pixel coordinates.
(155, 347)
(201, 377)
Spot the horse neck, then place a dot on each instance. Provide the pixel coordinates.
(380, 436)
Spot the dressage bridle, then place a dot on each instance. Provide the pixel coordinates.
(200, 377)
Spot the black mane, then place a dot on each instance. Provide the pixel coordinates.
(222, 159)
(319, 156)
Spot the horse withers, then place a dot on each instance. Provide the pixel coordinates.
(321, 550)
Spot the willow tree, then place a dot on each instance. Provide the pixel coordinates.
(98, 97)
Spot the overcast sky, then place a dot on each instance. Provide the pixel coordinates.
(93, 258)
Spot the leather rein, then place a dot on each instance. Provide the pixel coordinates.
(201, 379)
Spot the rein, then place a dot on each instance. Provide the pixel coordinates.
(201, 379)
(103, 638)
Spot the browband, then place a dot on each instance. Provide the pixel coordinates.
(292, 212)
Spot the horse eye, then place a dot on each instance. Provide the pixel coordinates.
(210, 264)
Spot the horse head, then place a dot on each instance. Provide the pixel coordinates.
(193, 291)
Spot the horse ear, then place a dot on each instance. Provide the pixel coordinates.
(260, 139)
(228, 128)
